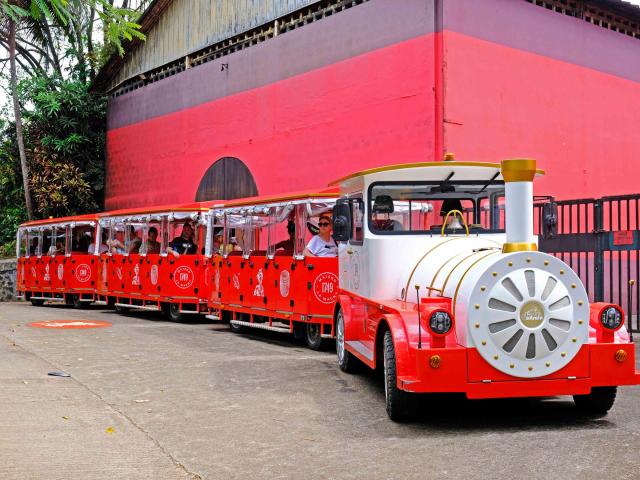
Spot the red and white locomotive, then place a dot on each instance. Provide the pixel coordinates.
(465, 306)
(427, 285)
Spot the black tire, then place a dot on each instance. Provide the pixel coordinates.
(235, 328)
(174, 313)
(314, 336)
(121, 310)
(346, 361)
(396, 400)
(69, 300)
(598, 402)
(78, 304)
(37, 302)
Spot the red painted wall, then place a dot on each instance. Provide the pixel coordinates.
(302, 132)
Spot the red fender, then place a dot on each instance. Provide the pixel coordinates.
(400, 343)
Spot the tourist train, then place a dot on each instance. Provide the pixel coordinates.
(431, 274)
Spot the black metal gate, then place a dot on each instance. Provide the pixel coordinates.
(600, 240)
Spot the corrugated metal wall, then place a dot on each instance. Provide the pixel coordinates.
(189, 25)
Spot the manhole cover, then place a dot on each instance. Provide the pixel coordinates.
(70, 324)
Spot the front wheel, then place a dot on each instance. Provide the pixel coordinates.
(396, 400)
(346, 361)
(37, 302)
(598, 402)
(314, 336)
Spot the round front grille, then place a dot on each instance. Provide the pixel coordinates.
(530, 314)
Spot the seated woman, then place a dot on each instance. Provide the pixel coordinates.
(322, 244)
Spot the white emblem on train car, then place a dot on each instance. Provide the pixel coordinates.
(60, 271)
(236, 281)
(83, 273)
(33, 272)
(285, 283)
(47, 278)
(119, 272)
(259, 290)
(136, 275)
(217, 279)
(325, 288)
(154, 274)
(104, 273)
(183, 277)
(207, 272)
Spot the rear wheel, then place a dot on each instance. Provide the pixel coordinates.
(235, 328)
(598, 402)
(314, 336)
(347, 362)
(37, 302)
(174, 312)
(69, 299)
(121, 310)
(396, 400)
(78, 303)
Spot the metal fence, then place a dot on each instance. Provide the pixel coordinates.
(600, 240)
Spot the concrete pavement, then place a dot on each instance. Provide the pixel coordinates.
(148, 398)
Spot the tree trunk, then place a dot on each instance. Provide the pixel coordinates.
(16, 111)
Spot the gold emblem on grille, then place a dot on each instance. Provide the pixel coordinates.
(532, 314)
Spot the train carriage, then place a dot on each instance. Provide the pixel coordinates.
(262, 278)
(441, 298)
(55, 262)
(143, 266)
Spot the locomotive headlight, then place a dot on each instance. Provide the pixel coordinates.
(611, 318)
(440, 322)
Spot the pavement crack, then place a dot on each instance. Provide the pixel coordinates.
(113, 407)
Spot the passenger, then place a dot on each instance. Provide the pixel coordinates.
(135, 241)
(153, 246)
(183, 244)
(288, 244)
(322, 245)
(103, 245)
(33, 246)
(238, 240)
(85, 242)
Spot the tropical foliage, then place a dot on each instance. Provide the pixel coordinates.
(52, 128)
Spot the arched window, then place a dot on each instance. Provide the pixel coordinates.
(227, 178)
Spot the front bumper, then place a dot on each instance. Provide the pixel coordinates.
(463, 370)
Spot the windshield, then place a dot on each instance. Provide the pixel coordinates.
(424, 207)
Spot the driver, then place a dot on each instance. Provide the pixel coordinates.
(382, 208)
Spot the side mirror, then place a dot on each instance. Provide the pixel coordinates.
(549, 220)
(342, 221)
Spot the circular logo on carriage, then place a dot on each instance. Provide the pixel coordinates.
(154, 274)
(60, 271)
(83, 272)
(285, 283)
(183, 277)
(325, 288)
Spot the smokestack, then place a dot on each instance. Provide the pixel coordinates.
(518, 177)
